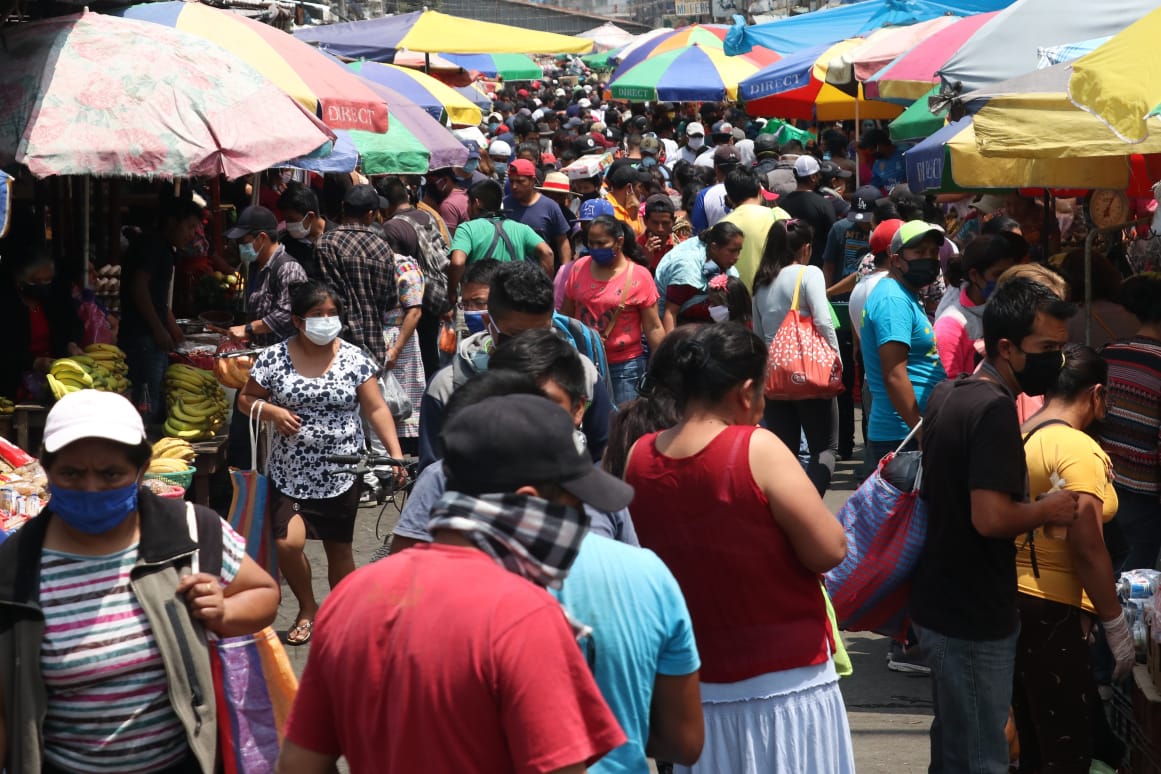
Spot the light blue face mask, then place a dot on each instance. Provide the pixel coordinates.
(471, 166)
(248, 253)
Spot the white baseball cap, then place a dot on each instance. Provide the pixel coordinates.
(694, 127)
(805, 166)
(500, 148)
(92, 414)
(584, 102)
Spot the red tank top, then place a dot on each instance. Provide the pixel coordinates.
(755, 607)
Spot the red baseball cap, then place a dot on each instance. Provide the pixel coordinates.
(522, 168)
(881, 237)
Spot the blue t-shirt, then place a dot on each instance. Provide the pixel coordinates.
(432, 483)
(641, 628)
(893, 313)
(887, 173)
(543, 216)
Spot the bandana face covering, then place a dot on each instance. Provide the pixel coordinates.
(529, 536)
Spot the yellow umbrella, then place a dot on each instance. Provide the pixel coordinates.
(951, 159)
(1032, 116)
(1120, 82)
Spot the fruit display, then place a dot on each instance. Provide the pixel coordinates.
(197, 404)
(7, 406)
(171, 455)
(106, 284)
(219, 291)
(232, 372)
(102, 367)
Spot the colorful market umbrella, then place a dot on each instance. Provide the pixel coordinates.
(796, 88)
(918, 121)
(1119, 81)
(510, 67)
(378, 39)
(323, 87)
(691, 74)
(704, 35)
(434, 96)
(79, 102)
(1054, 55)
(912, 75)
(950, 160)
(880, 48)
(415, 142)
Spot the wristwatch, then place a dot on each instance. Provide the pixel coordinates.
(249, 330)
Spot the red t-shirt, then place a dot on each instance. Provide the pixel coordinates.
(439, 660)
(596, 301)
(39, 335)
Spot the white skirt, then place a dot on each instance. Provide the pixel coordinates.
(791, 722)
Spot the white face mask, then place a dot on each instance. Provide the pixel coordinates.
(719, 313)
(322, 330)
(696, 143)
(298, 230)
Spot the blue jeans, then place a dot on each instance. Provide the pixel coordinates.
(971, 688)
(147, 363)
(625, 378)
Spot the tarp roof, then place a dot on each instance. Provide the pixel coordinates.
(846, 21)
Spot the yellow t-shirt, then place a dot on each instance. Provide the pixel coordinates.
(1085, 468)
(755, 221)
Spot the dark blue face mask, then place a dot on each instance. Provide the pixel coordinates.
(602, 255)
(93, 513)
(476, 322)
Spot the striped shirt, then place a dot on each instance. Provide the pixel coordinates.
(108, 697)
(1131, 435)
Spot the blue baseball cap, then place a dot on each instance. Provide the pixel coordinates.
(591, 209)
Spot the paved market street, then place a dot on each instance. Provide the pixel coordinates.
(889, 712)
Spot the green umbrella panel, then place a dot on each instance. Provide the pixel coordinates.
(917, 121)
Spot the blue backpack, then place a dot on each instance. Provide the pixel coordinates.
(587, 342)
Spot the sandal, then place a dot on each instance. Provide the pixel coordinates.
(300, 633)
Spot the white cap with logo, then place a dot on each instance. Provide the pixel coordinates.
(92, 414)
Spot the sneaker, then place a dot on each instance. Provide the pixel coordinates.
(907, 660)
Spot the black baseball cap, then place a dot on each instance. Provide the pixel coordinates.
(253, 219)
(726, 155)
(501, 444)
(363, 198)
(863, 203)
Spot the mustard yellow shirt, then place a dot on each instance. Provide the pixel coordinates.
(1085, 468)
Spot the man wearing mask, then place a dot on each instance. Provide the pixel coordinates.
(975, 482)
(896, 327)
(500, 153)
(491, 645)
(805, 203)
(443, 192)
(272, 272)
(304, 225)
(526, 205)
(710, 205)
(694, 142)
(887, 167)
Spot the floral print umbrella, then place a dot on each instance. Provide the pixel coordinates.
(98, 95)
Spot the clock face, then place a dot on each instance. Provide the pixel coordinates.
(1107, 207)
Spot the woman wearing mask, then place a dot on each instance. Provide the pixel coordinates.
(616, 297)
(311, 388)
(1066, 581)
(40, 318)
(783, 275)
(959, 321)
(684, 273)
(729, 301)
(103, 658)
(732, 514)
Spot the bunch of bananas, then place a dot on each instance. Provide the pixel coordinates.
(7, 406)
(171, 455)
(197, 404)
(102, 367)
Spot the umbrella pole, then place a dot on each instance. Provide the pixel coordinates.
(427, 62)
(86, 229)
(858, 124)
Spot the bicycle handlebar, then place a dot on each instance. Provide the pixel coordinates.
(368, 459)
